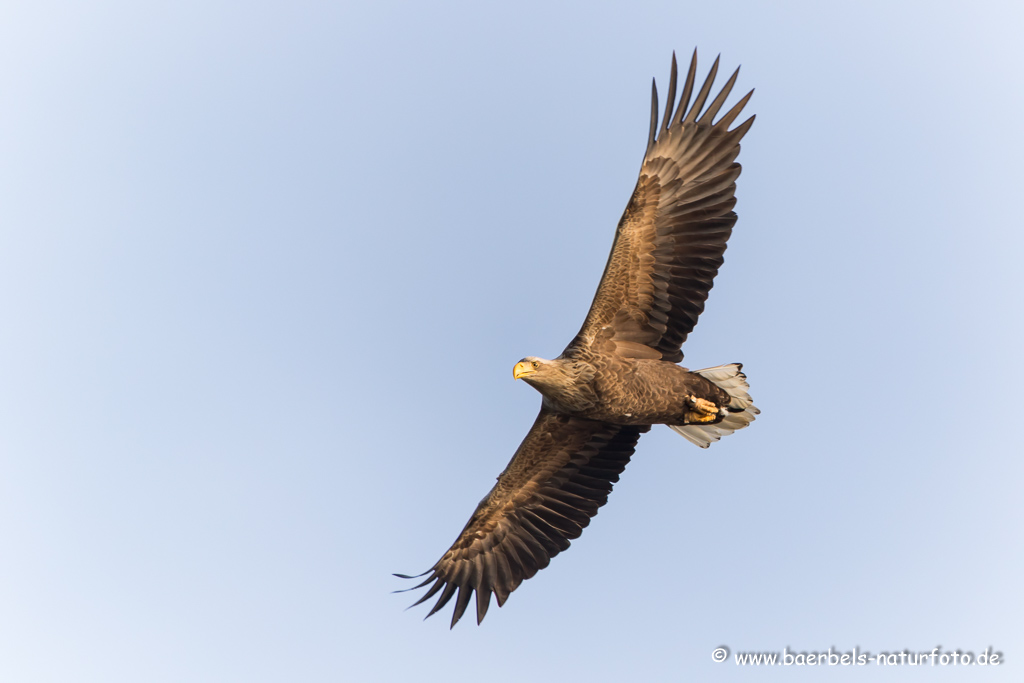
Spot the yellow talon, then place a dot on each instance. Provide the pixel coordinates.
(705, 406)
(704, 410)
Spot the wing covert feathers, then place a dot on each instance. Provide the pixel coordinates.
(672, 236)
(556, 481)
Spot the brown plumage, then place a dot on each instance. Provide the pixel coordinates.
(618, 376)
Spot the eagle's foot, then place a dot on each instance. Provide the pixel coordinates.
(703, 411)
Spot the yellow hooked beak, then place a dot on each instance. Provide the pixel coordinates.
(522, 368)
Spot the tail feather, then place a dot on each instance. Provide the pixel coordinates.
(740, 411)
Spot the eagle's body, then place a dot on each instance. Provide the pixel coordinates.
(622, 391)
(619, 375)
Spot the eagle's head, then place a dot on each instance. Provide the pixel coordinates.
(542, 374)
(534, 370)
(564, 380)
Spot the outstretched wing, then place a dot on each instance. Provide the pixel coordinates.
(669, 243)
(558, 478)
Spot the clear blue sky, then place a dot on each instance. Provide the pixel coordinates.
(265, 270)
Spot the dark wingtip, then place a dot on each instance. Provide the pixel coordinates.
(702, 96)
(461, 602)
(419, 585)
(671, 97)
(654, 114)
(712, 111)
(731, 115)
(684, 99)
(483, 601)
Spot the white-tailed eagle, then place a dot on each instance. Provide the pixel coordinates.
(619, 375)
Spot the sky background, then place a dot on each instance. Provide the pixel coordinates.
(265, 269)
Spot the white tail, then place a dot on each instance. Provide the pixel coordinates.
(741, 409)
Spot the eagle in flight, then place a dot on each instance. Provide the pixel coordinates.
(619, 375)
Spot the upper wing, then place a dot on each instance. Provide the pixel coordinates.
(558, 478)
(669, 243)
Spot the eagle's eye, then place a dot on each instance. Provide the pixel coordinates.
(536, 364)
